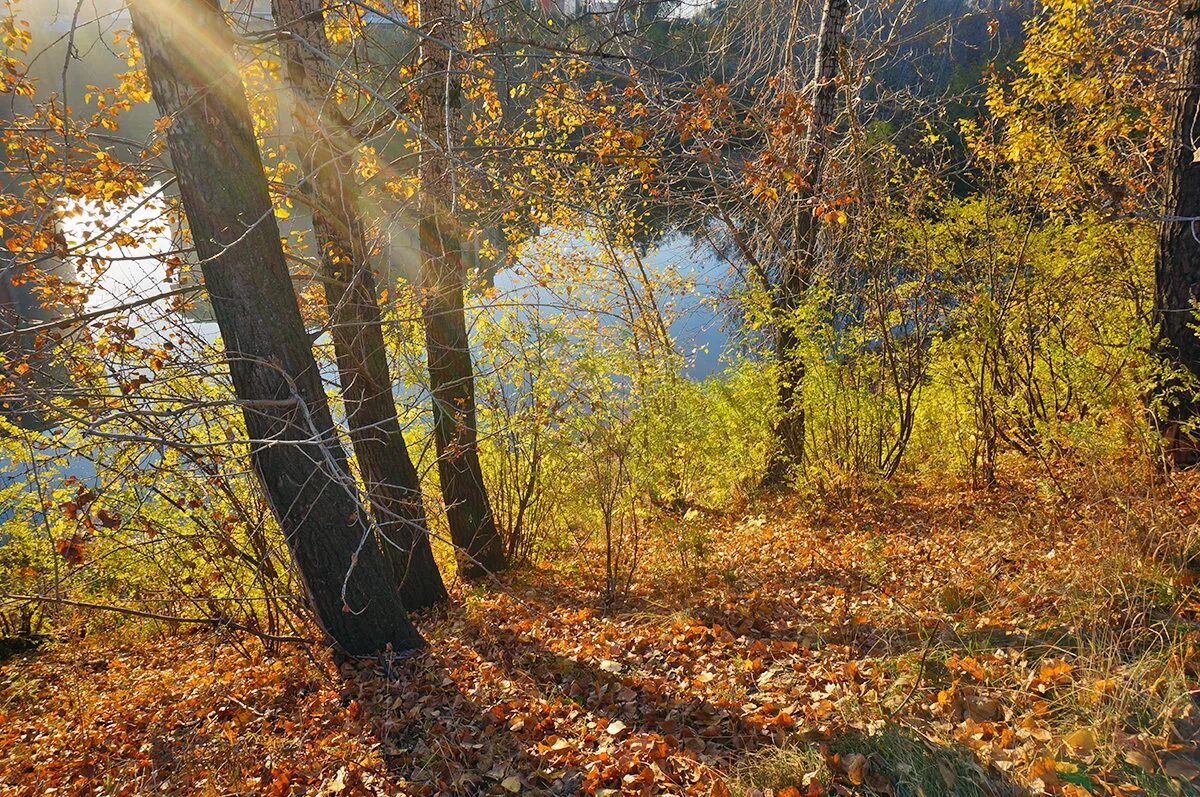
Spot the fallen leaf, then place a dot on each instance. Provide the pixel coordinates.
(1182, 768)
(1141, 760)
(1082, 741)
(948, 776)
(1045, 771)
(336, 784)
(855, 765)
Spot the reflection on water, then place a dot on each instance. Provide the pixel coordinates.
(677, 280)
(123, 252)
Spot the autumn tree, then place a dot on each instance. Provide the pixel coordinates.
(796, 262)
(326, 145)
(442, 283)
(195, 81)
(1177, 266)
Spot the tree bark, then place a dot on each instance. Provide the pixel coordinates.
(797, 265)
(1177, 266)
(194, 78)
(443, 278)
(325, 146)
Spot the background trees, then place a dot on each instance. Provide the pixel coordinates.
(442, 282)
(562, 250)
(795, 266)
(196, 83)
(326, 144)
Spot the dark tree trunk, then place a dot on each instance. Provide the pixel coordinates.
(443, 278)
(195, 82)
(325, 147)
(797, 265)
(1177, 267)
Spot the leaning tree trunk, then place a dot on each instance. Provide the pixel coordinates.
(294, 450)
(797, 265)
(443, 278)
(1177, 266)
(325, 147)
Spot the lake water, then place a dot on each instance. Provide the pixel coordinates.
(695, 278)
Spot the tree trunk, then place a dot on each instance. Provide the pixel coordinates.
(196, 84)
(325, 146)
(443, 278)
(797, 265)
(1177, 267)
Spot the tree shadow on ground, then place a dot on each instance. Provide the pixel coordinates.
(571, 728)
(435, 736)
(646, 702)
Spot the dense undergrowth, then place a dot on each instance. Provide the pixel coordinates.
(1040, 636)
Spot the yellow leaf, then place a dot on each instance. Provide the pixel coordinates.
(1081, 741)
(336, 784)
(511, 784)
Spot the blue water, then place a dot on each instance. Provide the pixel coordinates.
(683, 282)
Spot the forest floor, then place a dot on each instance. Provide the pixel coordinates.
(1042, 636)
